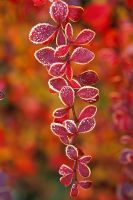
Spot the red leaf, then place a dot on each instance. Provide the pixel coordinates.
(84, 37)
(42, 33)
(72, 152)
(85, 184)
(74, 190)
(58, 129)
(64, 139)
(82, 55)
(86, 125)
(59, 11)
(67, 96)
(69, 32)
(66, 180)
(57, 84)
(60, 38)
(85, 159)
(65, 170)
(88, 111)
(88, 78)
(87, 92)
(75, 13)
(45, 56)
(57, 69)
(61, 51)
(70, 126)
(84, 170)
(69, 71)
(74, 84)
(60, 112)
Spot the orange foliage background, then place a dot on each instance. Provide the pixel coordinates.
(29, 152)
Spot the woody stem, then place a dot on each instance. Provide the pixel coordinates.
(73, 141)
(75, 170)
(74, 114)
(74, 137)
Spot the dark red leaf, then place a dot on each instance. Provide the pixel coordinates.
(88, 78)
(88, 111)
(42, 33)
(59, 11)
(45, 56)
(72, 152)
(86, 125)
(66, 180)
(57, 84)
(82, 55)
(75, 13)
(57, 69)
(70, 126)
(58, 129)
(67, 96)
(65, 170)
(87, 92)
(84, 170)
(84, 37)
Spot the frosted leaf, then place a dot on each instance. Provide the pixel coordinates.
(59, 11)
(67, 96)
(82, 55)
(86, 125)
(42, 33)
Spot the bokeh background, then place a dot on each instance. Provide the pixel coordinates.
(29, 153)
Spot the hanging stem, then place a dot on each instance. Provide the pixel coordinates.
(73, 140)
(75, 170)
(74, 114)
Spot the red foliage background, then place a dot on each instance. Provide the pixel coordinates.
(28, 151)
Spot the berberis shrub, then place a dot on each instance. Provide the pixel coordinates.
(58, 62)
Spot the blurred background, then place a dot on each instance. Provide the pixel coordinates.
(29, 153)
